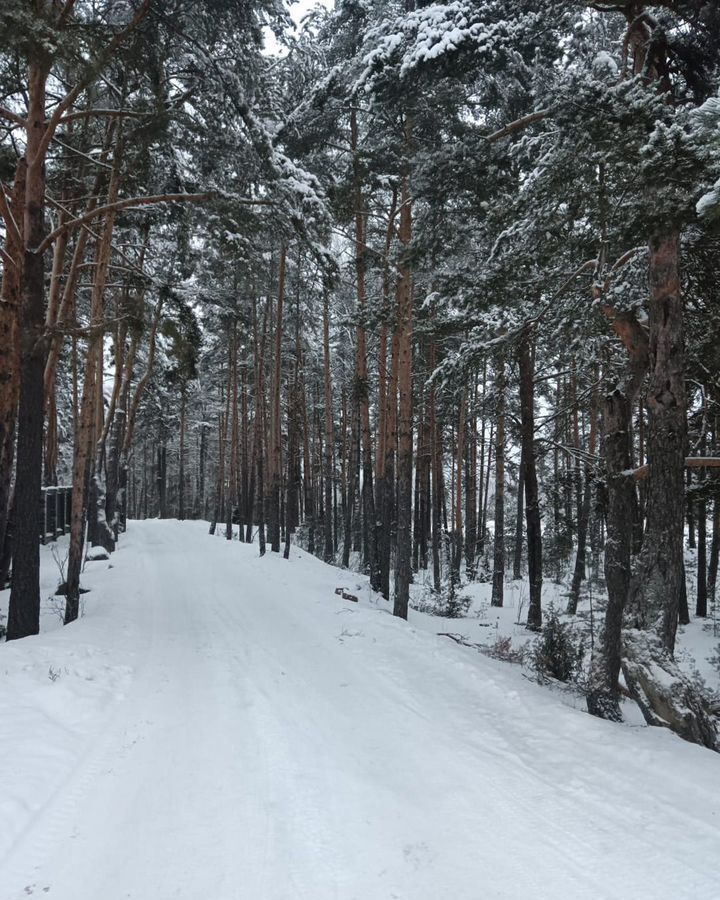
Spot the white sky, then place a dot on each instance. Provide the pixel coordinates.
(297, 12)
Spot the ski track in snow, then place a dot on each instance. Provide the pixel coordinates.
(224, 727)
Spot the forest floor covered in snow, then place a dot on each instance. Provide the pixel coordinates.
(219, 726)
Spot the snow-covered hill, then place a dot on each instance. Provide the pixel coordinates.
(223, 727)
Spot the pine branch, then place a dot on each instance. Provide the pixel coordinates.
(93, 69)
(108, 113)
(6, 212)
(131, 202)
(66, 12)
(519, 124)
(12, 117)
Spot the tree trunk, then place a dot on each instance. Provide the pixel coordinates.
(603, 697)
(583, 515)
(181, 460)
(714, 550)
(24, 606)
(329, 547)
(403, 568)
(519, 523)
(436, 467)
(702, 593)
(275, 454)
(471, 489)
(532, 500)
(10, 303)
(498, 580)
(457, 544)
(655, 588)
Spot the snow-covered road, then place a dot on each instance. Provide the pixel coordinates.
(224, 727)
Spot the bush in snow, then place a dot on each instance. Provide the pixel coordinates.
(448, 603)
(503, 649)
(558, 652)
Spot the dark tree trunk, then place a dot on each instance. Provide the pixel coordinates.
(403, 568)
(583, 518)
(181, 462)
(714, 550)
(457, 536)
(603, 697)
(471, 489)
(275, 455)
(351, 485)
(692, 543)
(519, 523)
(702, 593)
(498, 580)
(437, 478)
(386, 484)
(656, 586)
(24, 607)
(10, 305)
(161, 477)
(532, 499)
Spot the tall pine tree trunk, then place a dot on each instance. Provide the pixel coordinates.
(10, 302)
(329, 544)
(498, 580)
(403, 567)
(532, 499)
(655, 589)
(24, 607)
(275, 449)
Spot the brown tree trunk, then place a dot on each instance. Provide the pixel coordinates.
(362, 387)
(532, 499)
(403, 567)
(82, 461)
(181, 459)
(436, 467)
(275, 454)
(471, 488)
(519, 522)
(246, 500)
(329, 548)
(655, 589)
(131, 418)
(714, 550)
(583, 513)
(603, 697)
(702, 592)
(457, 542)
(260, 430)
(498, 580)
(24, 607)
(10, 301)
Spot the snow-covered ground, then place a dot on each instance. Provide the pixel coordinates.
(223, 727)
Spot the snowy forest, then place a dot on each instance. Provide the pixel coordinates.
(427, 292)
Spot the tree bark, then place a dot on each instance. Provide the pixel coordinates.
(603, 697)
(275, 454)
(532, 499)
(498, 580)
(403, 567)
(10, 303)
(655, 588)
(329, 545)
(24, 606)
(583, 514)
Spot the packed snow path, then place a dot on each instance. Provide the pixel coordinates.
(224, 727)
